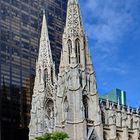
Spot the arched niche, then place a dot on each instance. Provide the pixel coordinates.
(131, 123)
(39, 73)
(106, 136)
(49, 108)
(52, 80)
(85, 104)
(66, 104)
(45, 76)
(77, 50)
(118, 136)
(69, 43)
(130, 137)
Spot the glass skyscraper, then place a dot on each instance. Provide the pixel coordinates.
(20, 22)
(116, 95)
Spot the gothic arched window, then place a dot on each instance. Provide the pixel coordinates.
(85, 103)
(45, 77)
(66, 105)
(49, 108)
(77, 50)
(130, 137)
(105, 135)
(52, 75)
(69, 49)
(49, 114)
(39, 72)
(118, 136)
(103, 117)
(131, 123)
(89, 83)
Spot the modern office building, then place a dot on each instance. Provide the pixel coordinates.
(20, 22)
(116, 95)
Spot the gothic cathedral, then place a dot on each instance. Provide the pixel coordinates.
(69, 102)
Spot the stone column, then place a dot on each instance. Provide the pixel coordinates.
(136, 134)
(125, 133)
(118, 119)
(112, 124)
(136, 126)
(98, 131)
(124, 124)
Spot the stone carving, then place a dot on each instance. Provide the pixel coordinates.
(124, 118)
(42, 119)
(60, 105)
(111, 115)
(136, 122)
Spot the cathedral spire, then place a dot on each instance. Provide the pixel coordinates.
(44, 88)
(44, 65)
(73, 37)
(45, 49)
(73, 20)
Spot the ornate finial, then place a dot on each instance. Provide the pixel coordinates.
(132, 111)
(128, 108)
(137, 110)
(118, 106)
(123, 109)
(107, 103)
(110, 107)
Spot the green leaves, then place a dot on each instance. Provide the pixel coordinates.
(53, 136)
(46, 136)
(59, 135)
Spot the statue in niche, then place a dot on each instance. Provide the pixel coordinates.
(49, 116)
(124, 118)
(111, 115)
(135, 122)
(99, 114)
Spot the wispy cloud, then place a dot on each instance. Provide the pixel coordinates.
(107, 22)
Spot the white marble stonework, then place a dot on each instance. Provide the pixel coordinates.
(70, 102)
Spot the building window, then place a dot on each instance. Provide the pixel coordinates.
(77, 50)
(105, 135)
(45, 77)
(118, 136)
(130, 137)
(85, 103)
(131, 124)
(49, 108)
(52, 75)
(69, 50)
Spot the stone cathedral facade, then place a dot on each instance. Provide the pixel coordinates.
(70, 102)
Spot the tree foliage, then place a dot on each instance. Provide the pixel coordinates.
(53, 136)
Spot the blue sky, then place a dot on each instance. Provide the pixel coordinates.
(113, 28)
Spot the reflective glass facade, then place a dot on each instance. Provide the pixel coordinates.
(115, 96)
(20, 22)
